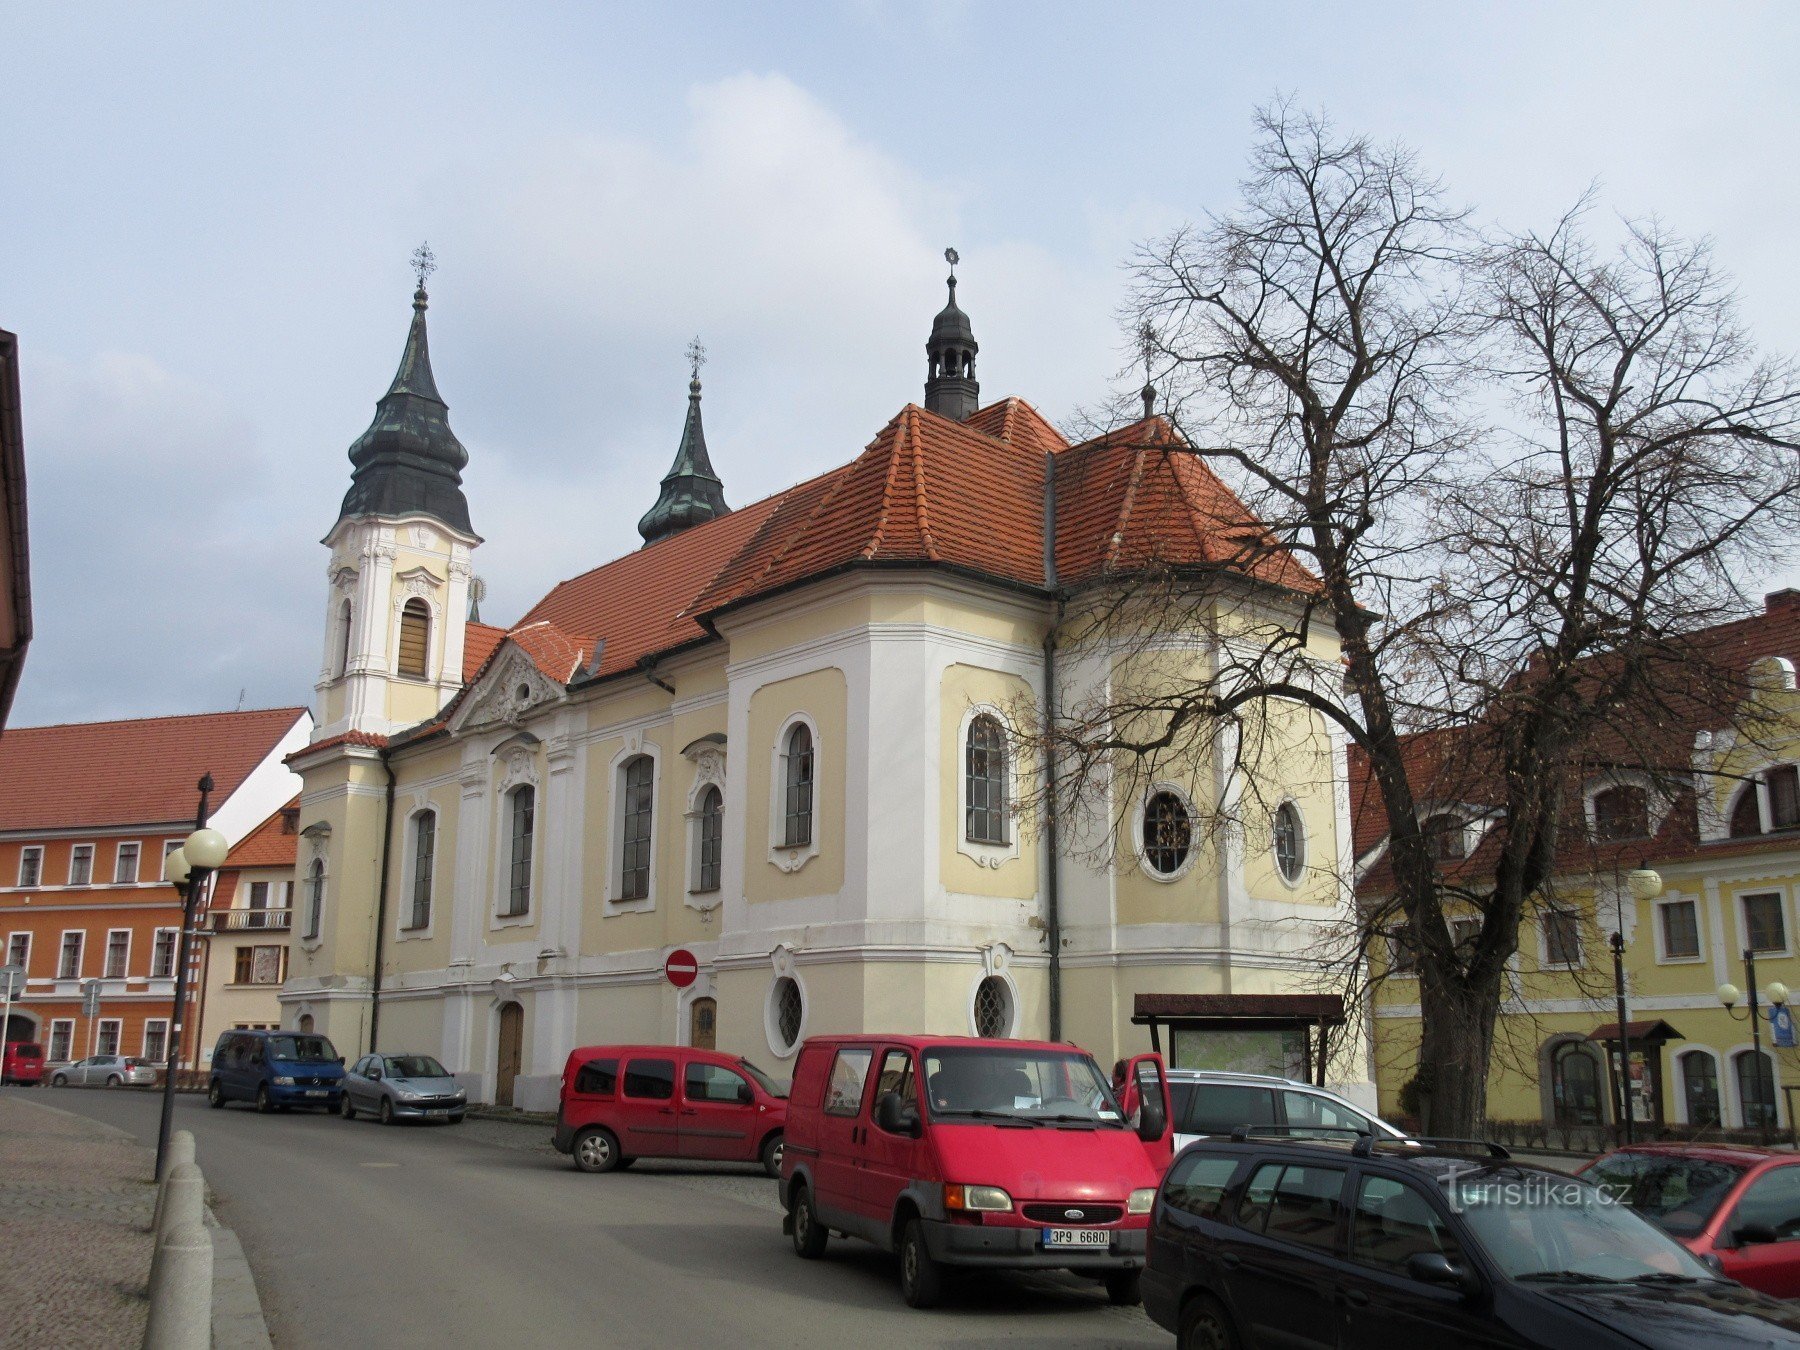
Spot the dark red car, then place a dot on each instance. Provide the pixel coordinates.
(22, 1062)
(624, 1102)
(1739, 1206)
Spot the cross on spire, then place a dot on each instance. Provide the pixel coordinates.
(696, 355)
(424, 263)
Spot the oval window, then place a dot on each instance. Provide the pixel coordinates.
(1290, 841)
(1168, 833)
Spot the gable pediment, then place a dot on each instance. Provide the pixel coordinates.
(511, 692)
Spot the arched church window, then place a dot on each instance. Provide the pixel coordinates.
(639, 783)
(797, 817)
(315, 898)
(522, 828)
(986, 786)
(711, 840)
(415, 638)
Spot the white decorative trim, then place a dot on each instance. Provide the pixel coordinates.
(521, 771)
(709, 772)
(782, 960)
(791, 858)
(1679, 1084)
(996, 964)
(1137, 832)
(512, 689)
(1660, 937)
(992, 856)
(1658, 799)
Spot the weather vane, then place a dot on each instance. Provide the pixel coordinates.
(424, 263)
(696, 355)
(1146, 336)
(952, 257)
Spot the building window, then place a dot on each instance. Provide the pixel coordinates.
(315, 898)
(522, 829)
(797, 774)
(1562, 938)
(118, 952)
(125, 865)
(1464, 934)
(424, 856)
(257, 965)
(81, 865)
(1746, 816)
(31, 865)
(156, 1039)
(69, 968)
(1575, 1084)
(1168, 833)
(415, 638)
(993, 1008)
(62, 1035)
(1621, 813)
(1680, 929)
(986, 819)
(1402, 959)
(107, 1043)
(788, 1010)
(711, 841)
(1700, 1087)
(344, 627)
(1765, 929)
(162, 954)
(1290, 841)
(1756, 1087)
(18, 950)
(259, 904)
(637, 780)
(1445, 837)
(1784, 797)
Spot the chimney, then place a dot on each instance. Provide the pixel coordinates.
(1788, 599)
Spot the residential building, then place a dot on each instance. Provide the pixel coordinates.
(792, 739)
(15, 555)
(87, 813)
(248, 923)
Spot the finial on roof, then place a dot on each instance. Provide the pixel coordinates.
(477, 593)
(696, 355)
(1147, 350)
(691, 492)
(950, 386)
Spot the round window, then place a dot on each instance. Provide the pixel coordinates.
(993, 1008)
(788, 1009)
(1168, 833)
(1290, 841)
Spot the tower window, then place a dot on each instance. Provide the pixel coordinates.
(415, 638)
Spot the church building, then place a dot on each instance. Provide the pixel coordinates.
(791, 739)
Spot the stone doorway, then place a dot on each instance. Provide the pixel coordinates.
(512, 1046)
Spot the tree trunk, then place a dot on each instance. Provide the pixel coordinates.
(1456, 1042)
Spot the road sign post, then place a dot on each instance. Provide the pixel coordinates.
(12, 988)
(90, 1009)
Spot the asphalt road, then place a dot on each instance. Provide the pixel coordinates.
(480, 1233)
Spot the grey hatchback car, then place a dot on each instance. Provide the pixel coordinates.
(106, 1071)
(403, 1087)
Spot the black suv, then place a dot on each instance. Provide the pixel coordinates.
(1368, 1245)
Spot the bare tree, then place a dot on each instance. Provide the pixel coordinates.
(1517, 470)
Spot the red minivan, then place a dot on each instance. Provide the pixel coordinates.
(958, 1152)
(22, 1062)
(624, 1102)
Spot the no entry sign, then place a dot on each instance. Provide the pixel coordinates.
(681, 968)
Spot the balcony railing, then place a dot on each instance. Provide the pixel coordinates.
(251, 920)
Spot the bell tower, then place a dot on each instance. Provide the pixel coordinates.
(950, 387)
(399, 572)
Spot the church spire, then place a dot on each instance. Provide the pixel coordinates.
(950, 387)
(409, 462)
(691, 492)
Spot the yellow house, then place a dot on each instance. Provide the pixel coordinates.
(1720, 825)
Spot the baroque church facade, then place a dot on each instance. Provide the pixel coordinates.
(783, 738)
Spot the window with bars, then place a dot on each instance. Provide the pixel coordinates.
(31, 865)
(1621, 813)
(1756, 1087)
(1680, 929)
(993, 1008)
(69, 967)
(790, 1012)
(1168, 833)
(524, 827)
(315, 898)
(986, 819)
(81, 865)
(711, 842)
(1562, 939)
(156, 1039)
(1765, 928)
(125, 865)
(118, 952)
(637, 802)
(415, 639)
(424, 856)
(797, 774)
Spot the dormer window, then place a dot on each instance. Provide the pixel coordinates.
(1445, 837)
(1621, 812)
(1784, 797)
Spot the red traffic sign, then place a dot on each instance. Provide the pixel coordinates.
(681, 968)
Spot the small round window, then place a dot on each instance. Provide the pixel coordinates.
(788, 1008)
(993, 1008)
(1168, 833)
(1290, 841)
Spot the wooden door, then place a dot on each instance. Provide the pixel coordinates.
(512, 1045)
(703, 1030)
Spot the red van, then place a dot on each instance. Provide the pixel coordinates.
(624, 1102)
(957, 1152)
(22, 1062)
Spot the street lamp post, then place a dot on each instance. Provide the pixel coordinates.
(186, 868)
(1778, 994)
(1644, 884)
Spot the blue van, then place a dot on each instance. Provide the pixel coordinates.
(276, 1069)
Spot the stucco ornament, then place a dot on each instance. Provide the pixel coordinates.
(417, 581)
(521, 767)
(782, 959)
(512, 688)
(995, 957)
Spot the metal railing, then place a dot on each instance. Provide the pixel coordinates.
(251, 920)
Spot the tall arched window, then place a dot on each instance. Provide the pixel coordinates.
(343, 651)
(1756, 1087)
(1575, 1085)
(522, 828)
(424, 853)
(710, 843)
(638, 779)
(797, 774)
(985, 772)
(315, 898)
(1700, 1087)
(415, 639)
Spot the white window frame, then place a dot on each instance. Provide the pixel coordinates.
(1663, 958)
(1012, 1001)
(80, 952)
(93, 852)
(521, 770)
(1679, 1083)
(144, 1040)
(615, 862)
(981, 854)
(1734, 1077)
(1543, 927)
(406, 930)
(106, 956)
(67, 1026)
(174, 952)
(1657, 801)
(137, 862)
(31, 851)
(1787, 920)
(696, 818)
(771, 1017)
(431, 632)
(792, 857)
(14, 936)
(1294, 882)
(1137, 832)
(118, 1030)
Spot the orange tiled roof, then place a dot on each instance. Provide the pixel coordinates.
(373, 740)
(479, 641)
(136, 772)
(269, 844)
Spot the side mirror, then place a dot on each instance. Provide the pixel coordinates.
(1745, 1234)
(1151, 1121)
(1436, 1268)
(374, 1075)
(340, 1061)
(896, 1116)
(744, 1095)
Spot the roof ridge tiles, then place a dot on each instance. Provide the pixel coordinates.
(296, 709)
(920, 505)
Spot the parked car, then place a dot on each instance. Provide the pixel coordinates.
(22, 1062)
(276, 1070)
(1737, 1206)
(957, 1152)
(1417, 1245)
(624, 1102)
(105, 1071)
(1209, 1102)
(403, 1087)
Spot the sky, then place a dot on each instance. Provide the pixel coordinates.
(206, 213)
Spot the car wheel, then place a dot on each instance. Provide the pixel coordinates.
(771, 1156)
(346, 1107)
(264, 1102)
(113, 1080)
(59, 1081)
(215, 1095)
(386, 1111)
(1122, 1288)
(596, 1150)
(921, 1278)
(809, 1233)
(1205, 1326)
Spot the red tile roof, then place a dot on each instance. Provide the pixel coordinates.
(479, 641)
(138, 772)
(270, 844)
(369, 739)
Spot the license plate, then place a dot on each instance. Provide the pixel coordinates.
(1077, 1237)
(317, 1092)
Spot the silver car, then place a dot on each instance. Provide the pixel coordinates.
(402, 1087)
(106, 1071)
(1214, 1102)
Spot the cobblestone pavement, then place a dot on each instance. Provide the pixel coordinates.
(76, 1198)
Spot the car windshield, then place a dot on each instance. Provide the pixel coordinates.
(1548, 1228)
(766, 1083)
(1681, 1194)
(27, 1048)
(304, 1049)
(415, 1066)
(1035, 1087)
